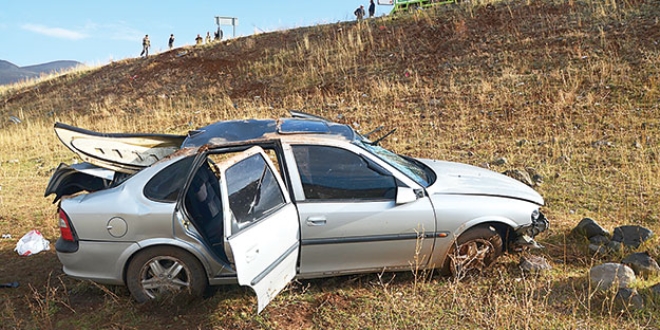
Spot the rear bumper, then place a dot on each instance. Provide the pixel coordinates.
(101, 262)
(62, 246)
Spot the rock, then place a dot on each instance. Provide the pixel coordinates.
(656, 289)
(614, 246)
(500, 161)
(604, 276)
(520, 176)
(598, 249)
(599, 240)
(642, 264)
(589, 228)
(536, 177)
(632, 236)
(628, 299)
(534, 264)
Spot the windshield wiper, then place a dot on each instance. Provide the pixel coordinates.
(375, 143)
(377, 129)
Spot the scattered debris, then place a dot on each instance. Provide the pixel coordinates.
(9, 285)
(32, 243)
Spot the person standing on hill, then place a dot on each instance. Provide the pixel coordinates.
(208, 37)
(145, 46)
(198, 40)
(359, 13)
(372, 8)
(170, 43)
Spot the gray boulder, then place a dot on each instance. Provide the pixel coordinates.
(604, 276)
(642, 264)
(589, 228)
(628, 299)
(632, 236)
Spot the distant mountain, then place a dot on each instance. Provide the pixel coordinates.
(11, 73)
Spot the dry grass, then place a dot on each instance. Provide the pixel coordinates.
(569, 88)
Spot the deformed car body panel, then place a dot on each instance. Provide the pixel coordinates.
(122, 152)
(71, 179)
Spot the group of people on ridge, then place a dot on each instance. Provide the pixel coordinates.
(146, 43)
(359, 13)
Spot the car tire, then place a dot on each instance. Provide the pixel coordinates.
(474, 251)
(165, 271)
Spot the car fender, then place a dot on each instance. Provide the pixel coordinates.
(480, 220)
(129, 253)
(441, 250)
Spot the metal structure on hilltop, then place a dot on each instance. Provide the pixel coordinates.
(233, 21)
(410, 5)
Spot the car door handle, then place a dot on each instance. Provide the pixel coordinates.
(316, 221)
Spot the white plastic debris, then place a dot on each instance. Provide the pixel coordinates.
(32, 243)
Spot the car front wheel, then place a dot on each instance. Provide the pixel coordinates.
(474, 251)
(163, 271)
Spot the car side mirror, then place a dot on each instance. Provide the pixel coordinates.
(405, 195)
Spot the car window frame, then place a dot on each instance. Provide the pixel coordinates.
(301, 197)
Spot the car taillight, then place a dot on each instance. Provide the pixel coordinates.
(65, 227)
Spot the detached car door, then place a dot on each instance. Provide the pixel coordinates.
(261, 226)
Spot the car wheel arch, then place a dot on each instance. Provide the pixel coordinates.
(503, 228)
(174, 245)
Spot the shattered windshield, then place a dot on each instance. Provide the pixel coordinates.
(408, 166)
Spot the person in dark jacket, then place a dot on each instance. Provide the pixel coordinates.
(170, 43)
(359, 13)
(372, 8)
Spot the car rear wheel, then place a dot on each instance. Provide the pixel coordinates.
(474, 251)
(165, 271)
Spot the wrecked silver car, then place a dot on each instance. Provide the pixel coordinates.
(259, 202)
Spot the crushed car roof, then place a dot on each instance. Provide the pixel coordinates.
(224, 132)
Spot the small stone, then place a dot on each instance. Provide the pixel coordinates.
(520, 176)
(500, 161)
(534, 264)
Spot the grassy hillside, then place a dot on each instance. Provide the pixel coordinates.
(569, 88)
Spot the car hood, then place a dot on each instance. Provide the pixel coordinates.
(462, 179)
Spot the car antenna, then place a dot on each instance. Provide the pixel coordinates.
(375, 143)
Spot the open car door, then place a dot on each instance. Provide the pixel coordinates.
(262, 227)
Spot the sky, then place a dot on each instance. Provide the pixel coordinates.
(96, 32)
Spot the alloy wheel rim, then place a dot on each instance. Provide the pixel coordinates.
(162, 275)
